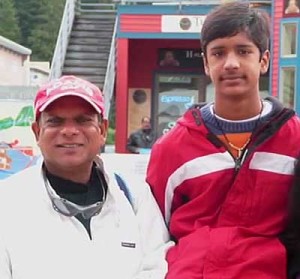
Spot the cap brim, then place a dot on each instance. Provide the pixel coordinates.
(58, 96)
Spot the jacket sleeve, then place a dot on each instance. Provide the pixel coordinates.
(157, 175)
(5, 265)
(154, 234)
(290, 237)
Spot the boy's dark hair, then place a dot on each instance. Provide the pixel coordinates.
(231, 18)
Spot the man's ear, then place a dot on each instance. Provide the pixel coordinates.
(264, 62)
(104, 128)
(36, 130)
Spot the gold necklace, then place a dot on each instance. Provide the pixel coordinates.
(238, 149)
(241, 149)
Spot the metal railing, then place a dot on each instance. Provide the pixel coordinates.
(186, 2)
(73, 7)
(109, 82)
(63, 39)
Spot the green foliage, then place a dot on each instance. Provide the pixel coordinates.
(8, 21)
(25, 10)
(110, 136)
(112, 114)
(41, 21)
(34, 24)
(38, 22)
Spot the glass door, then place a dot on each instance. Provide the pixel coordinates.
(174, 94)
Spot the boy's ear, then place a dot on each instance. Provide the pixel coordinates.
(206, 67)
(264, 62)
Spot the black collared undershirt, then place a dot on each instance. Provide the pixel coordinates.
(78, 193)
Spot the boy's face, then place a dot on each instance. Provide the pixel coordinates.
(234, 65)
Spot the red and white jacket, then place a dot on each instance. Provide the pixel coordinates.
(225, 221)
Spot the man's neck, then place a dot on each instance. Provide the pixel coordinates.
(80, 175)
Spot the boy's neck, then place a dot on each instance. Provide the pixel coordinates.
(238, 110)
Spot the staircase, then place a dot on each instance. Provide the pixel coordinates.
(89, 47)
(85, 45)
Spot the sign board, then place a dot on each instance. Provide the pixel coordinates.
(182, 23)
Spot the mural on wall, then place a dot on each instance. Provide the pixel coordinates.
(18, 149)
(291, 7)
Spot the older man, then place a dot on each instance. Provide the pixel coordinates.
(68, 218)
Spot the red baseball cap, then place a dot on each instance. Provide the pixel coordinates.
(68, 86)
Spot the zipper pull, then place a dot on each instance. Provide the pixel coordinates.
(238, 164)
(239, 161)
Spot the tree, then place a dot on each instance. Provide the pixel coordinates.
(26, 13)
(40, 21)
(43, 35)
(9, 25)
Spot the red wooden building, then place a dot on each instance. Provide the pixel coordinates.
(159, 65)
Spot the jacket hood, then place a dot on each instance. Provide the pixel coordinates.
(192, 117)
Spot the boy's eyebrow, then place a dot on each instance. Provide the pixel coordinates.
(247, 45)
(219, 47)
(216, 48)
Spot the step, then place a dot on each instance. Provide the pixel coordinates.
(93, 27)
(85, 71)
(86, 55)
(91, 34)
(90, 48)
(85, 63)
(96, 16)
(109, 21)
(103, 42)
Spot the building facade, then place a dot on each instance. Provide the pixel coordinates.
(285, 66)
(14, 63)
(160, 71)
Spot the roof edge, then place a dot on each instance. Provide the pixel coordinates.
(14, 46)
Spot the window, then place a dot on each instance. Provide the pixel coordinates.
(174, 94)
(291, 8)
(288, 87)
(289, 40)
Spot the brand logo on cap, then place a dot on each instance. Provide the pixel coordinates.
(70, 85)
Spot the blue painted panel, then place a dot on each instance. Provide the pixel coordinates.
(182, 36)
(164, 10)
(291, 61)
(170, 9)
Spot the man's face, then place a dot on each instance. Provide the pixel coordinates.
(69, 134)
(234, 65)
(169, 56)
(146, 124)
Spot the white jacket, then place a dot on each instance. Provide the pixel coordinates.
(36, 242)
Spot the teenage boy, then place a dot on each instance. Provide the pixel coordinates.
(222, 175)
